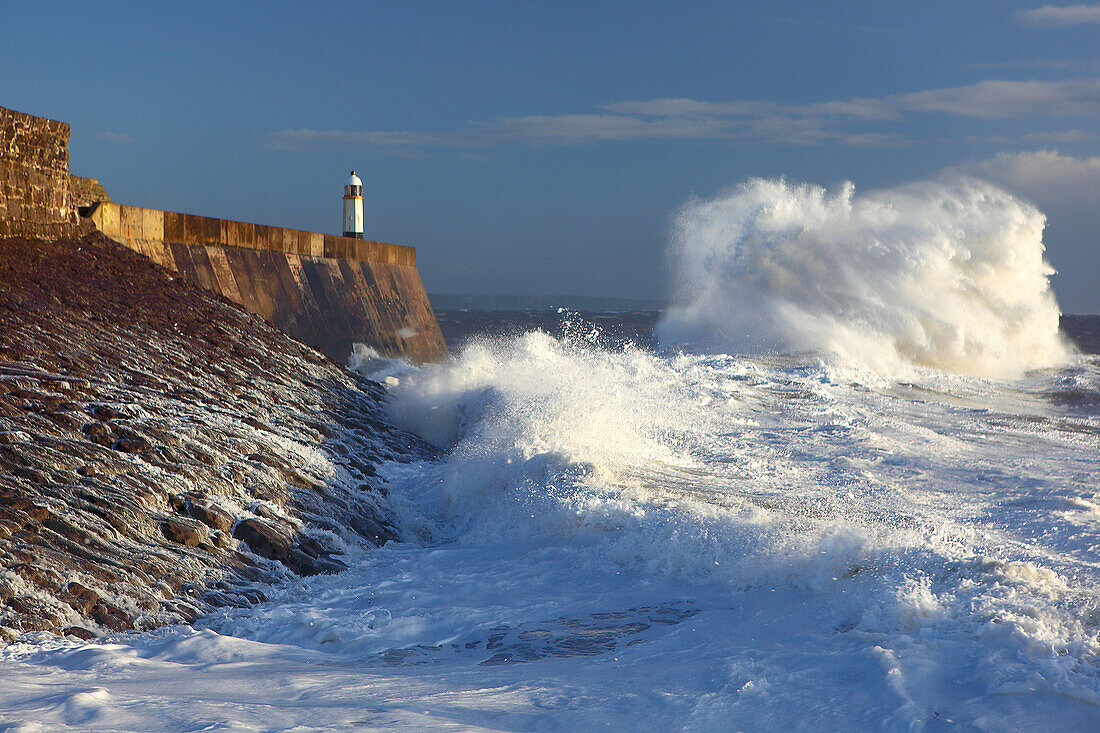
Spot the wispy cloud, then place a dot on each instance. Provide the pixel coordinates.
(1060, 15)
(1027, 64)
(854, 109)
(305, 136)
(842, 121)
(1008, 99)
(115, 137)
(1046, 138)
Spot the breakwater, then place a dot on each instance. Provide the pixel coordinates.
(327, 291)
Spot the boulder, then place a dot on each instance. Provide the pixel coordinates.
(263, 538)
(185, 531)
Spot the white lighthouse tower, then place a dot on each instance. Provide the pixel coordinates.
(353, 207)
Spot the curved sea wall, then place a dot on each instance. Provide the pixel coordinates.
(162, 451)
(327, 291)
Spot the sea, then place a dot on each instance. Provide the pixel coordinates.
(848, 480)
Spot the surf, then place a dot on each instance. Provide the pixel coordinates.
(948, 274)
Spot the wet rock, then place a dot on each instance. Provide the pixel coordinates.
(98, 433)
(189, 532)
(254, 595)
(263, 510)
(222, 540)
(34, 614)
(79, 632)
(67, 419)
(107, 413)
(301, 563)
(138, 418)
(311, 547)
(81, 598)
(31, 474)
(31, 510)
(258, 424)
(112, 617)
(304, 564)
(372, 530)
(7, 437)
(263, 539)
(131, 444)
(186, 611)
(222, 598)
(211, 515)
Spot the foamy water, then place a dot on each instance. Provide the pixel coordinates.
(947, 274)
(786, 535)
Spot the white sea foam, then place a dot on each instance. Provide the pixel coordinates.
(948, 274)
(624, 539)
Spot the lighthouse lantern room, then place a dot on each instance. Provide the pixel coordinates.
(353, 207)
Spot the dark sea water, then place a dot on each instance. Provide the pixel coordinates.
(460, 326)
(615, 327)
(1084, 332)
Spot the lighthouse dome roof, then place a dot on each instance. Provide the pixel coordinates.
(353, 180)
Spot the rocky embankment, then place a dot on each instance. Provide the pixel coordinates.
(161, 450)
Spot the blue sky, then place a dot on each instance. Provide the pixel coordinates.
(544, 147)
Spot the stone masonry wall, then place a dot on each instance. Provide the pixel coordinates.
(327, 291)
(123, 223)
(35, 196)
(87, 191)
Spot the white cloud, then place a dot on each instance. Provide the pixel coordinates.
(1008, 99)
(680, 107)
(1060, 15)
(842, 121)
(1041, 175)
(854, 109)
(1064, 136)
(578, 127)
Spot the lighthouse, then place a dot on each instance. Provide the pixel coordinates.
(353, 207)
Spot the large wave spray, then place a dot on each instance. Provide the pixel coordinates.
(947, 274)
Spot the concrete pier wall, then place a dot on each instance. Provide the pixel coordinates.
(327, 291)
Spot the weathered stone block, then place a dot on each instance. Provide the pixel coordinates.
(173, 227)
(34, 165)
(152, 223)
(192, 229)
(108, 220)
(286, 240)
(211, 231)
(262, 238)
(130, 222)
(246, 234)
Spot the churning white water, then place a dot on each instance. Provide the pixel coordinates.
(823, 504)
(947, 274)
